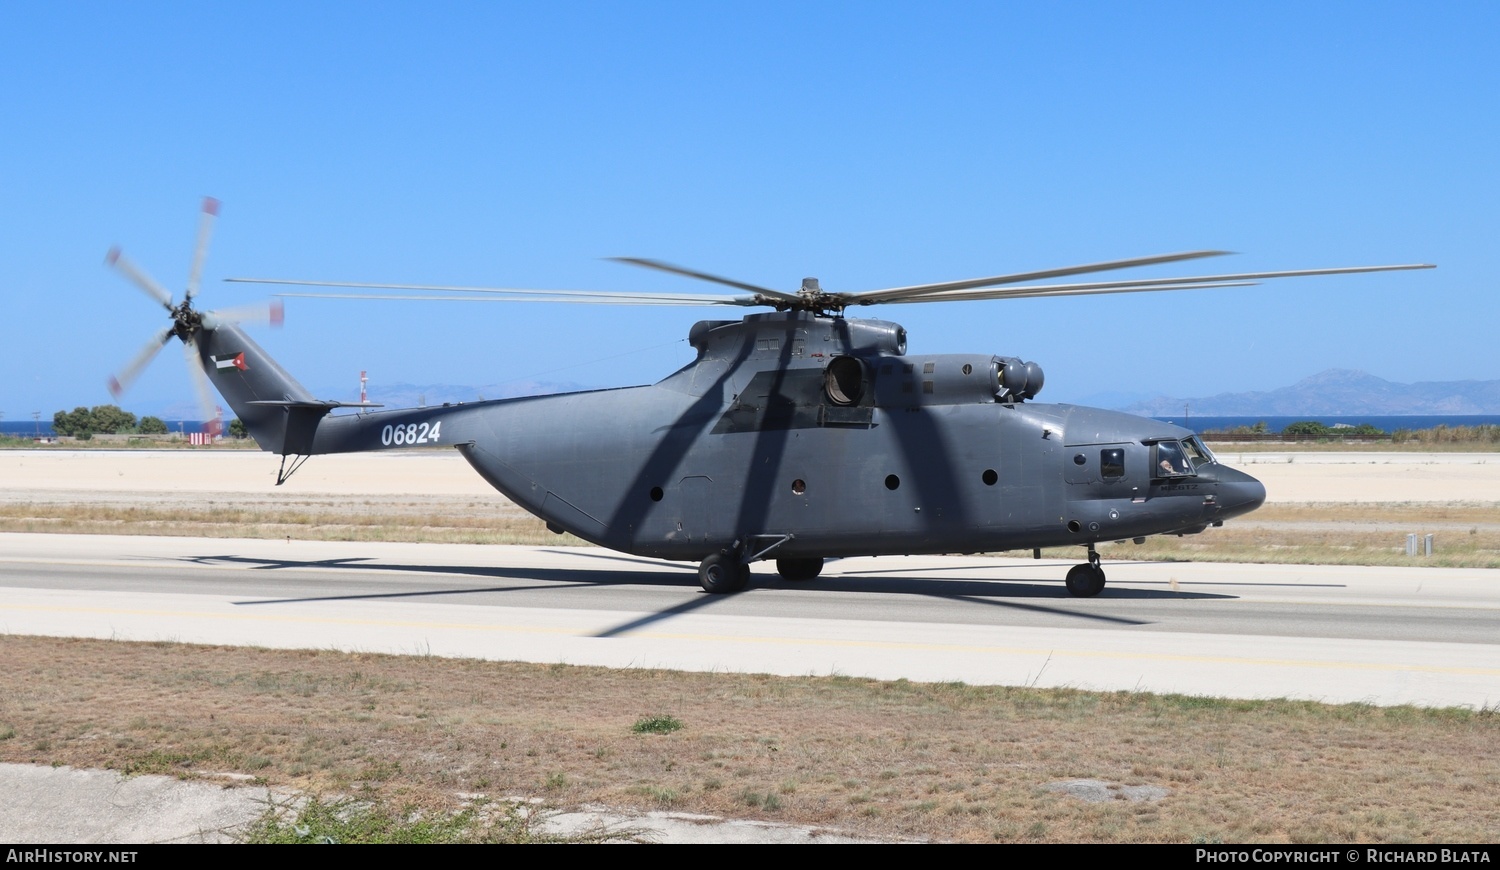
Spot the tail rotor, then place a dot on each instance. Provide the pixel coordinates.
(188, 324)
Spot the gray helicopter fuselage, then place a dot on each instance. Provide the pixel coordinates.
(808, 435)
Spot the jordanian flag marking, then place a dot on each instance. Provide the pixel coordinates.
(235, 362)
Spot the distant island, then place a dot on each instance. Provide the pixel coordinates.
(1337, 392)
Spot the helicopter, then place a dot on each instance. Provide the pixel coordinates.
(797, 434)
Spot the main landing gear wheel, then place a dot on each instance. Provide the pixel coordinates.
(1085, 581)
(723, 573)
(799, 570)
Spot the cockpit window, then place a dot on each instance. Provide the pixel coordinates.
(1112, 463)
(1197, 451)
(1170, 461)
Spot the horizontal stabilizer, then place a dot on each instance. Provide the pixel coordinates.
(288, 403)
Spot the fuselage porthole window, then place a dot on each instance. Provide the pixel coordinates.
(1112, 463)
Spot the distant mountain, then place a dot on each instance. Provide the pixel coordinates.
(1338, 392)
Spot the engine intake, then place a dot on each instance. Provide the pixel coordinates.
(1019, 380)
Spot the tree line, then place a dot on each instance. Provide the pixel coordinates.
(1301, 427)
(84, 423)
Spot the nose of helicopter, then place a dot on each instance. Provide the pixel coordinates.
(1239, 493)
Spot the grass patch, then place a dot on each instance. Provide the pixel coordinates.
(656, 725)
(356, 821)
(767, 801)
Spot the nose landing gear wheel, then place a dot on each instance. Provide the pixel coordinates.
(1085, 581)
(723, 573)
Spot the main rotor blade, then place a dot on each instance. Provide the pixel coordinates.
(1063, 290)
(1151, 284)
(695, 301)
(201, 386)
(122, 380)
(200, 250)
(704, 276)
(117, 259)
(604, 297)
(272, 313)
(894, 294)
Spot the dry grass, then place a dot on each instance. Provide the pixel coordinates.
(893, 759)
(1467, 535)
(458, 522)
(1464, 536)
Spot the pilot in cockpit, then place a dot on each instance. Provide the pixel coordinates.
(1170, 459)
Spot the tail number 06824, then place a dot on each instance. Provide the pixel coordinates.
(411, 433)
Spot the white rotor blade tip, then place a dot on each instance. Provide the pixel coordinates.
(200, 250)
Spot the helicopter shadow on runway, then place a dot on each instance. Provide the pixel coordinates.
(906, 581)
(992, 593)
(545, 578)
(1005, 594)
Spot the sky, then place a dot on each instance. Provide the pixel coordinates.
(869, 144)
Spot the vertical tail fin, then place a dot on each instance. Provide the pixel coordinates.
(277, 411)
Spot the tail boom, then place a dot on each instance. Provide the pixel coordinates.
(283, 417)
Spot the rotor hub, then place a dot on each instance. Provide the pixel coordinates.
(185, 320)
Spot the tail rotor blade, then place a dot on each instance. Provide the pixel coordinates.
(206, 407)
(200, 250)
(132, 370)
(148, 285)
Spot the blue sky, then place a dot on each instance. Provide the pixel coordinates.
(868, 144)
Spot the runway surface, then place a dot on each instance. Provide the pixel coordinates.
(1330, 633)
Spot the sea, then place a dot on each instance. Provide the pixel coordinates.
(32, 429)
(1383, 423)
(24, 428)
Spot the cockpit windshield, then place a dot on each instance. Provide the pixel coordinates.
(1177, 458)
(1198, 452)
